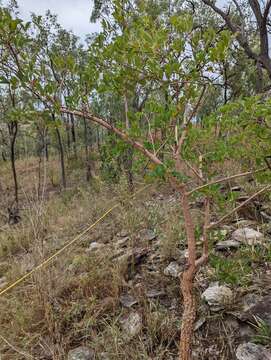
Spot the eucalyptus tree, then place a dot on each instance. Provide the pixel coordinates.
(249, 22)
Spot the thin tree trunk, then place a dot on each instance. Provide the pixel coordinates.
(88, 165)
(98, 139)
(68, 135)
(62, 160)
(73, 135)
(13, 130)
(61, 154)
(128, 156)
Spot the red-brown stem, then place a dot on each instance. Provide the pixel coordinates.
(187, 277)
(136, 144)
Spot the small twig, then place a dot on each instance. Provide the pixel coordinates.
(15, 349)
(212, 225)
(197, 173)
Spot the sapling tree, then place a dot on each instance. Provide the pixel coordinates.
(160, 59)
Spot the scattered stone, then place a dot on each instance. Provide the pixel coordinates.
(131, 256)
(185, 254)
(217, 297)
(248, 236)
(228, 244)
(147, 235)
(154, 293)
(250, 300)
(250, 351)
(132, 324)
(261, 310)
(123, 233)
(94, 246)
(173, 269)
(128, 300)
(81, 353)
(122, 241)
(3, 282)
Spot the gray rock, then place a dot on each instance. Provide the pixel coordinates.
(250, 300)
(154, 293)
(173, 269)
(250, 351)
(121, 242)
(217, 297)
(248, 236)
(147, 234)
(81, 353)
(94, 246)
(261, 310)
(128, 300)
(132, 324)
(228, 244)
(3, 282)
(123, 233)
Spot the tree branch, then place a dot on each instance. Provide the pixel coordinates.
(226, 179)
(137, 145)
(215, 224)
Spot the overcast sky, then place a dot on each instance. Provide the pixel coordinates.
(72, 14)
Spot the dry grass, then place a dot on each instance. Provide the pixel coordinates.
(76, 300)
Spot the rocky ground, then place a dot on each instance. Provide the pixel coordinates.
(116, 295)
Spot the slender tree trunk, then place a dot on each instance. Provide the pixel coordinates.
(187, 283)
(62, 159)
(13, 130)
(128, 156)
(73, 135)
(68, 135)
(88, 165)
(45, 144)
(61, 154)
(98, 139)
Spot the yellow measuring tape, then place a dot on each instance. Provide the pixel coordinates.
(49, 259)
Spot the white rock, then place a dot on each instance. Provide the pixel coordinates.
(81, 353)
(173, 269)
(248, 236)
(227, 244)
(95, 246)
(217, 296)
(132, 324)
(250, 351)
